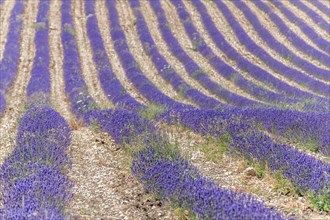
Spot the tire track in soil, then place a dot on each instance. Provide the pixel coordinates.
(16, 96)
(5, 12)
(146, 65)
(88, 68)
(166, 53)
(229, 35)
(103, 185)
(102, 17)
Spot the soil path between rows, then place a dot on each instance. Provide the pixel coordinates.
(5, 12)
(16, 96)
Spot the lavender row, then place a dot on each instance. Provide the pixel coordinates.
(164, 69)
(32, 179)
(279, 47)
(290, 73)
(227, 71)
(165, 173)
(105, 70)
(75, 86)
(298, 42)
(109, 82)
(190, 66)
(133, 72)
(307, 128)
(126, 126)
(38, 88)
(9, 62)
(324, 8)
(307, 174)
(322, 44)
(222, 68)
(313, 15)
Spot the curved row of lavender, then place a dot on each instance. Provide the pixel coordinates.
(315, 103)
(219, 65)
(308, 174)
(322, 43)
(123, 126)
(167, 72)
(319, 5)
(313, 15)
(305, 132)
(288, 72)
(33, 181)
(10, 58)
(190, 66)
(296, 41)
(277, 46)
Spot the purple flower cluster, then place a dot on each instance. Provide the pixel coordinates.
(254, 70)
(133, 72)
(222, 68)
(191, 67)
(164, 68)
(321, 43)
(319, 5)
(267, 37)
(38, 88)
(9, 62)
(243, 37)
(305, 172)
(75, 86)
(2, 103)
(109, 82)
(304, 127)
(33, 183)
(298, 42)
(313, 15)
(175, 180)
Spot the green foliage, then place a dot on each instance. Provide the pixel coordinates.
(321, 201)
(152, 111)
(214, 148)
(39, 26)
(282, 185)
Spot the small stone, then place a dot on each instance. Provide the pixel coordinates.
(250, 171)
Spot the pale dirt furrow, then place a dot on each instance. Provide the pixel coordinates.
(145, 63)
(102, 16)
(319, 12)
(5, 12)
(271, 26)
(16, 96)
(58, 97)
(303, 15)
(88, 68)
(180, 34)
(103, 183)
(200, 27)
(249, 29)
(173, 62)
(103, 188)
(223, 26)
(291, 24)
(232, 172)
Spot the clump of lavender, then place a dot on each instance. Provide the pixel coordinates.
(33, 180)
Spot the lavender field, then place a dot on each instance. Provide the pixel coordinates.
(164, 109)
